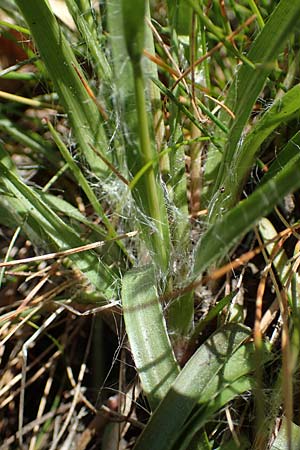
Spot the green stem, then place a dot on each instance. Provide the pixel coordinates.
(63, 68)
(219, 34)
(256, 11)
(148, 155)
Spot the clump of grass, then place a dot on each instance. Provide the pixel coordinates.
(149, 222)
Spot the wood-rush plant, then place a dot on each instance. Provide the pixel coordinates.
(160, 123)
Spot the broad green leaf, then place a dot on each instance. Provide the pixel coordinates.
(147, 333)
(208, 363)
(236, 380)
(205, 414)
(180, 317)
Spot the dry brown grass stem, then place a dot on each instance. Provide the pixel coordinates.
(65, 253)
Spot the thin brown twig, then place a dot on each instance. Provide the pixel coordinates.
(77, 391)
(25, 349)
(91, 93)
(71, 251)
(213, 50)
(110, 165)
(218, 273)
(30, 426)
(169, 55)
(42, 406)
(41, 298)
(221, 104)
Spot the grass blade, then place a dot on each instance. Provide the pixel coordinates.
(60, 62)
(147, 333)
(137, 125)
(85, 24)
(288, 153)
(208, 363)
(85, 185)
(56, 233)
(221, 236)
(246, 88)
(283, 110)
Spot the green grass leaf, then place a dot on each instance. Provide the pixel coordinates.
(54, 233)
(87, 29)
(221, 236)
(207, 364)
(83, 183)
(147, 333)
(133, 102)
(134, 28)
(246, 87)
(284, 158)
(241, 162)
(60, 62)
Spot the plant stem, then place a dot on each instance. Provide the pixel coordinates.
(147, 154)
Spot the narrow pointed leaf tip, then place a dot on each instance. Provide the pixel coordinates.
(134, 26)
